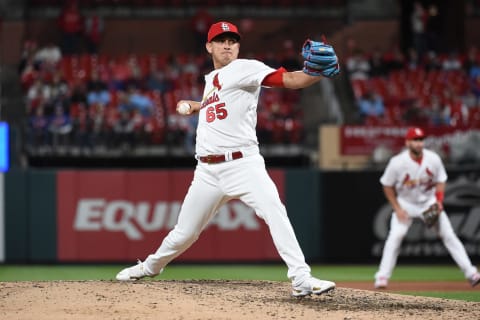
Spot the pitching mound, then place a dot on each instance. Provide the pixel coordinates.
(213, 300)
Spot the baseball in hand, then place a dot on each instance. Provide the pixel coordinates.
(183, 108)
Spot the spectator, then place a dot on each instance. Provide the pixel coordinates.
(59, 87)
(30, 73)
(48, 57)
(37, 130)
(432, 61)
(156, 79)
(97, 91)
(38, 95)
(377, 64)
(413, 60)
(118, 74)
(415, 114)
(99, 125)
(190, 67)
(433, 29)
(200, 23)
(78, 93)
(436, 114)
(456, 113)
(471, 59)
(418, 21)
(290, 60)
(358, 67)
(70, 23)
(28, 55)
(135, 78)
(475, 87)
(123, 130)
(452, 62)
(94, 27)
(371, 105)
(139, 123)
(59, 93)
(395, 60)
(60, 127)
(139, 101)
(82, 128)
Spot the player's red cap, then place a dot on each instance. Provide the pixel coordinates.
(414, 133)
(218, 28)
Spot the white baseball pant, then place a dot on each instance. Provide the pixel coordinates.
(398, 231)
(215, 184)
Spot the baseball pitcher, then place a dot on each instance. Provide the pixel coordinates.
(229, 163)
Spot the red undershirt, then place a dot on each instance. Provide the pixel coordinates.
(275, 79)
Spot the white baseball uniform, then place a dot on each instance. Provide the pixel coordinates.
(227, 121)
(414, 184)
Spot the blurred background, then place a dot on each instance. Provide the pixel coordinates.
(96, 162)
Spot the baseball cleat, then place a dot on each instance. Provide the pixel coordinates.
(381, 283)
(312, 285)
(133, 273)
(475, 279)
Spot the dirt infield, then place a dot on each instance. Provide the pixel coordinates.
(217, 300)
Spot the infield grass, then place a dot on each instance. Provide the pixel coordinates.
(273, 272)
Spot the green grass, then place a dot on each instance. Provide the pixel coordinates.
(226, 271)
(339, 273)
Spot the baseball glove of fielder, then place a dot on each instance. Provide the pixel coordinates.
(431, 215)
(320, 59)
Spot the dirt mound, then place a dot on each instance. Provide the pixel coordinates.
(213, 299)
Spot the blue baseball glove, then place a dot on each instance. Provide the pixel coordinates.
(320, 59)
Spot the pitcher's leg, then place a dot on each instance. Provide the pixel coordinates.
(455, 246)
(259, 192)
(397, 232)
(200, 205)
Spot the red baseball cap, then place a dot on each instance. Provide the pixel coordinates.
(414, 133)
(221, 27)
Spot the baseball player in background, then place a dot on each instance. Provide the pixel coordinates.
(229, 163)
(414, 180)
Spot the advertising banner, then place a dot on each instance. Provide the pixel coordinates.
(124, 215)
(357, 219)
(363, 140)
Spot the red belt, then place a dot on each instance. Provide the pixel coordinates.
(219, 158)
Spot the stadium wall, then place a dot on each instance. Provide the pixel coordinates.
(99, 216)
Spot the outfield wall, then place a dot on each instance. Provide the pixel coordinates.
(71, 216)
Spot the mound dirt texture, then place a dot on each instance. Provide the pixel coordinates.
(214, 299)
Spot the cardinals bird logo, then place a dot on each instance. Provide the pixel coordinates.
(216, 83)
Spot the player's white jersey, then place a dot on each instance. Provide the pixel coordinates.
(228, 113)
(414, 182)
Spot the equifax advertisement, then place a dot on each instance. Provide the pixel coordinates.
(124, 215)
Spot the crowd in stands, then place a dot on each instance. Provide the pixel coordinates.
(424, 86)
(98, 101)
(434, 89)
(95, 102)
(80, 99)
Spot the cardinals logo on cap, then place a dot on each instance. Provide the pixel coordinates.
(225, 27)
(414, 133)
(218, 28)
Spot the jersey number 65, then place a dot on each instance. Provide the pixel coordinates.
(216, 112)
